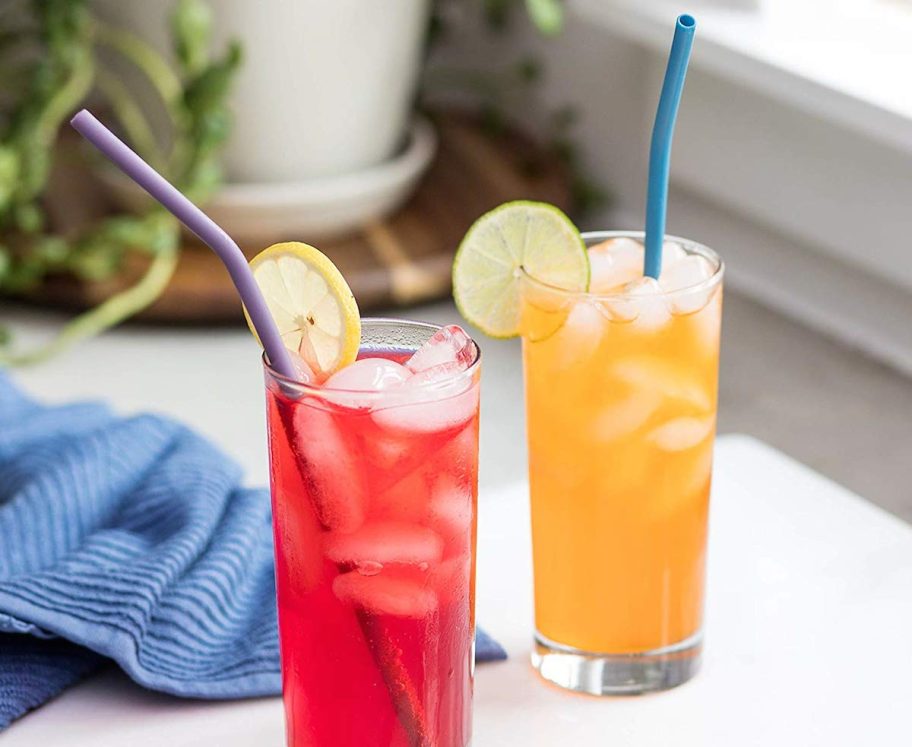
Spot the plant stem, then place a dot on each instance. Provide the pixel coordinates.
(113, 311)
(147, 59)
(66, 99)
(131, 117)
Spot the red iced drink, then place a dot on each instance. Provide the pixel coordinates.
(374, 484)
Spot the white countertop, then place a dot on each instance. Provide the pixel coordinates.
(809, 631)
(809, 638)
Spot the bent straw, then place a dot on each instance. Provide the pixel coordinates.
(660, 149)
(199, 223)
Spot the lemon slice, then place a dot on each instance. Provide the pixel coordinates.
(311, 303)
(487, 270)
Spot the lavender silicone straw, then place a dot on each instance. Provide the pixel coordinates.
(199, 223)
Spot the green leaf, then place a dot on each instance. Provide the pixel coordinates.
(53, 251)
(29, 218)
(547, 15)
(191, 30)
(209, 90)
(9, 175)
(23, 275)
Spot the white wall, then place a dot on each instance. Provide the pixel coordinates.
(813, 218)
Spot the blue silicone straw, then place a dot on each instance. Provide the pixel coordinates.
(660, 149)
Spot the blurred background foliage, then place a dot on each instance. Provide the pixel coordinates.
(56, 55)
(50, 65)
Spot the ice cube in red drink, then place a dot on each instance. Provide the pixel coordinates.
(396, 592)
(383, 542)
(327, 457)
(439, 398)
(447, 345)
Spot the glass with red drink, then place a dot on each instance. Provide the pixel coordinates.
(374, 485)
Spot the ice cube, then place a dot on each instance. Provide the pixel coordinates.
(390, 592)
(655, 375)
(687, 273)
(684, 433)
(439, 398)
(458, 457)
(368, 375)
(329, 466)
(297, 518)
(406, 499)
(451, 509)
(580, 336)
(393, 457)
(614, 263)
(642, 303)
(454, 575)
(672, 253)
(602, 272)
(707, 323)
(686, 479)
(626, 416)
(699, 474)
(365, 375)
(385, 542)
(447, 345)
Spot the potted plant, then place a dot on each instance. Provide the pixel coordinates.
(324, 88)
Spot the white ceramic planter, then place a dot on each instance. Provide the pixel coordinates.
(326, 87)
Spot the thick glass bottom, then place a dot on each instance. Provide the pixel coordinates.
(617, 674)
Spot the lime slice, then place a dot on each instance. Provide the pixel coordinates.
(487, 271)
(311, 303)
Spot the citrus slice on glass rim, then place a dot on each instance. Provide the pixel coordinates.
(531, 237)
(311, 303)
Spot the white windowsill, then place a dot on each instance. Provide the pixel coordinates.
(846, 60)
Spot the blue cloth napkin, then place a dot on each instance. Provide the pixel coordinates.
(131, 539)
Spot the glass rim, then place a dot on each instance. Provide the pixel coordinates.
(689, 246)
(444, 383)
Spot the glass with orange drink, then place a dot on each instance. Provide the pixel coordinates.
(621, 377)
(621, 384)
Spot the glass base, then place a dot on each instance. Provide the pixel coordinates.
(617, 674)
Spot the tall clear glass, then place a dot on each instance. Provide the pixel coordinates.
(374, 497)
(621, 411)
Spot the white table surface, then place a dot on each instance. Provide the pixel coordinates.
(809, 638)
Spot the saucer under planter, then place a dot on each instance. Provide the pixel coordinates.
(315, 209)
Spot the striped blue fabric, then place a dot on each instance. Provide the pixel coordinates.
(133, 539)
(33, 670)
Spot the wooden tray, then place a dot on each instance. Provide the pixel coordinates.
(402, 260)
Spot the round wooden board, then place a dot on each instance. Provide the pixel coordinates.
(399, 261)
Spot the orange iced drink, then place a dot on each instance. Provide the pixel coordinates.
(621, 377)
(621, 385)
